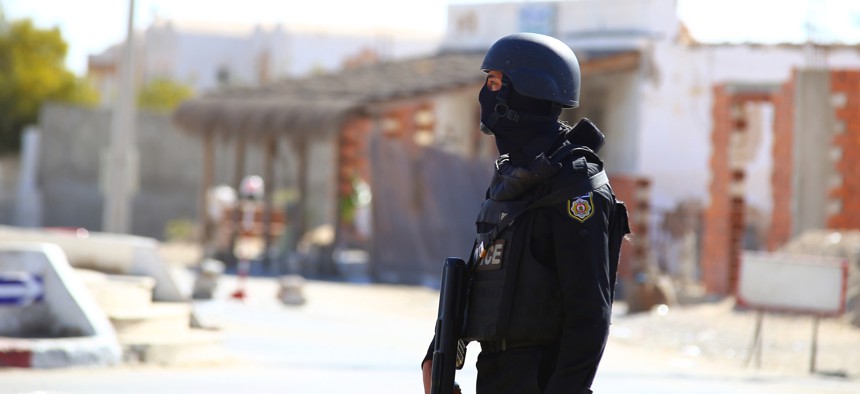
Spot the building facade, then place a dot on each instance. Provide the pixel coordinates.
(664, 120)
(207, 57)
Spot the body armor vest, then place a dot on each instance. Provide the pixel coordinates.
(512, 295)
(506, 267)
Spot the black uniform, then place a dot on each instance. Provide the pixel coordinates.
(540, 299)
(549, 233)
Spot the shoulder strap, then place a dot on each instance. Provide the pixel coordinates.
(577, 189)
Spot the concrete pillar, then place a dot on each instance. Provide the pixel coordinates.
(121, 164)
(813, 137)
(206, 180)
(28, 205)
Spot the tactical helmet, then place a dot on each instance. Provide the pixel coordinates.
(538, 66)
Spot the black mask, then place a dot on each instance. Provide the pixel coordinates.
(532, 118)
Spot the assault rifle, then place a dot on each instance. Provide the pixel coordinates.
(449, 351)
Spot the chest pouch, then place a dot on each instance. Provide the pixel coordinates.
(492, 219)
(495, 257)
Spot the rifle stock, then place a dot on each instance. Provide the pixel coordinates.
(449, 322)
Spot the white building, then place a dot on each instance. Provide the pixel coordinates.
(207, 56)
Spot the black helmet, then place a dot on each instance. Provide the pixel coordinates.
(538, 66)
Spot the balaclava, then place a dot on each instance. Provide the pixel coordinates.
(516, 120)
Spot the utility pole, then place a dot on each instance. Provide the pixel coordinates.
(2, 18)
(119, 181)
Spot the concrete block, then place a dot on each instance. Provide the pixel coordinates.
(118, 254)
(161, 318)
(74, 331)
(119, 294)
(195, 346)
(207, 279)
(291, 290)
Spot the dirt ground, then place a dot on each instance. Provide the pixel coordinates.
(718, 333)
(722, 333)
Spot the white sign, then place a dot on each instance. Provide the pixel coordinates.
(20, 288)
(792, 283)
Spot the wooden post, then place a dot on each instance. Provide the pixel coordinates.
(206, 176)
(756, 345)
(814, 346)
(760, 339)
(238, 174)
(301, 147)
(270, 150)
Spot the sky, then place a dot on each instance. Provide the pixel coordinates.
(772, 21)
(91, 26)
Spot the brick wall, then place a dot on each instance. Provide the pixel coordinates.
(634, 191)
(352, 164)
(409, 123)
(715, 253)
(844, 204)
(353, 154)
(725, 217)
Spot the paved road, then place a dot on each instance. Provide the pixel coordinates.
(369, 339)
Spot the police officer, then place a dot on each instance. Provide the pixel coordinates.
(549, 233)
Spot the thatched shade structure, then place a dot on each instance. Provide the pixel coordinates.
(312, 108)
(319, 104)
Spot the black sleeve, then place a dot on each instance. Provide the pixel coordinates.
(579, 234)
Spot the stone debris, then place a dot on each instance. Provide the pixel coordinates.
(840, 244)
(722, 333)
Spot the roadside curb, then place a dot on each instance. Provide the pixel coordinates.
(57, 353)
(68, 301)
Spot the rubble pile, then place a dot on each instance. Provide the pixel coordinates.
(840, 244)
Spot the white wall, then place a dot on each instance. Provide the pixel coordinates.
(677, 110)
(193, 52)
(477, 26)
(622, 123)
(675, 127)
(653, 17)
(759, 149)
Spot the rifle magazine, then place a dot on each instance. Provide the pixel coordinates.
(461, 354)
